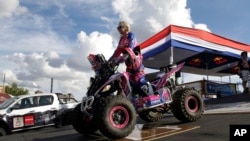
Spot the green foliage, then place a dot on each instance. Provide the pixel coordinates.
(14, 90)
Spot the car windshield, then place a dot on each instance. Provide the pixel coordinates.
(8, 102)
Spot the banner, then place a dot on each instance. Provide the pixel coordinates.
(224, 89)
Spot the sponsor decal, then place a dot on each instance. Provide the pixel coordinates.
(46, 118)
(224, 89)
(29, 120)
(18, 122)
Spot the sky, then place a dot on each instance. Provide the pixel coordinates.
(45, 39)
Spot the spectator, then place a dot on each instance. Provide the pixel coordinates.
(244, 70)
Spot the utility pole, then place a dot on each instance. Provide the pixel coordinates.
(3, 79)
(51, 85)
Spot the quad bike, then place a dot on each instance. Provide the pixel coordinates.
(111, 103)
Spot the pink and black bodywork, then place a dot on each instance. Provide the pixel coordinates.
(111, 102)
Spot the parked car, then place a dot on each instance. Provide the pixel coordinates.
(34, 111)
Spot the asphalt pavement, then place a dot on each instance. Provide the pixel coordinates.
(228, 105)
(229, 99)
(213, 126)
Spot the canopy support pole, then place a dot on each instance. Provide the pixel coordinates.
(171, 58)
(207, 69)
(182, 76)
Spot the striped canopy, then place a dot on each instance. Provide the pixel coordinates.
(4, 96)
(176, 44)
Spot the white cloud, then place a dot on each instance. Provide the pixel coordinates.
(8, 8)
(151, 16)
(40, 52)
(9, 75)
(34, 71)
(94, 43)
(202, 27)
(125, 8)
(38, 65)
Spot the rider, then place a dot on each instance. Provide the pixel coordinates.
(128, 51)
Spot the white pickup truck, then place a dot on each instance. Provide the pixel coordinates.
(34, 111)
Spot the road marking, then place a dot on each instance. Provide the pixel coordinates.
(173, 133)
(146, 132)
(156, 132)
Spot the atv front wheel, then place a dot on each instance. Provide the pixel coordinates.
(82, 123)
(187, 105)
(117, 117)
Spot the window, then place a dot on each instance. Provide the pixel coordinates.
(34, 101)
(23, 103)
(45, 100)
(8, 102)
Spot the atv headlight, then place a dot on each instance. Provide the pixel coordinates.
(106, 88)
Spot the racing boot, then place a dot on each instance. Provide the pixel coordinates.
(152, 98)
(147, 89)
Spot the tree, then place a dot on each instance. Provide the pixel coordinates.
(14, 90)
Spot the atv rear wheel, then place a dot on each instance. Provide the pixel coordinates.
(150, 115)
(82, 123)
(117, 117)
(187, 105)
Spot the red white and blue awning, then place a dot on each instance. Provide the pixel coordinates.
(175, 44)
(4, 96)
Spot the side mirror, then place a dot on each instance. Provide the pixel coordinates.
(12, 108)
